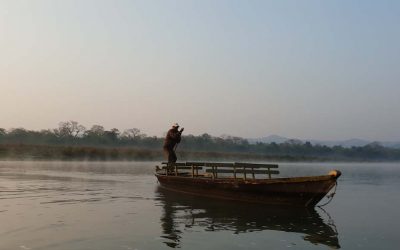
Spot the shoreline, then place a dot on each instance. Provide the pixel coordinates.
(23, 152)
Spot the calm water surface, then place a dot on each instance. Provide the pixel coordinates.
(90, 205)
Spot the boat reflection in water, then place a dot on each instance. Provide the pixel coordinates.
(185, 211)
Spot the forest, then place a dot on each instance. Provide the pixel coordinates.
(72, 141)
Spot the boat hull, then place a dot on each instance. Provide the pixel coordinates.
(298, 191)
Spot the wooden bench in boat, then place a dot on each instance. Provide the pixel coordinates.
(215, 168)
(241, 168)
(173, 168)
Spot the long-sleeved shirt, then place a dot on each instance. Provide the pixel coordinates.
(173, 137)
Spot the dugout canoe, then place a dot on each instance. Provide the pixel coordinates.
(244, 184)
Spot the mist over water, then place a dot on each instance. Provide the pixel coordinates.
(118, 205)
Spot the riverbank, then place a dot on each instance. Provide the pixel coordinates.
(89, 153)
(79, 153)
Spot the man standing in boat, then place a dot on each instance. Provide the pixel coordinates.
(171, 141)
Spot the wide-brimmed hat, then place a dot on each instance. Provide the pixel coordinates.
(175, 125)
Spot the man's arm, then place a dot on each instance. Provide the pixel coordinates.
(179, 136)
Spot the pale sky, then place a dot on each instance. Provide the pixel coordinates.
(300, 69)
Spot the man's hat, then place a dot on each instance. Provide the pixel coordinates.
(175, 125)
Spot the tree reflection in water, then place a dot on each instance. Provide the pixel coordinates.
(215, 215)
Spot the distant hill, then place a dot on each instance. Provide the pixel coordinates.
(391, 144)
(269, 139)
(345, 143)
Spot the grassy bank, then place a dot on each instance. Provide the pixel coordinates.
(72, 153)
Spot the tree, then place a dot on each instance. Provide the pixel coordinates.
(115, 131)
(133, 133)
(293, 142)
(112, 134)
(96, 130)
(70, 129)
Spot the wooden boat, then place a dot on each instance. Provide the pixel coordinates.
(245, 182)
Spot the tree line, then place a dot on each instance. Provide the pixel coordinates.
(75, 139)
(74, 134)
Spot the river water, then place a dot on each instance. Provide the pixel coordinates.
(118, 205)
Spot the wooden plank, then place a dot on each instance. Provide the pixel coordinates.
(218, 164)
(195, 163)
(241, 171)
(222, 164)
(174, 164)
(255, 165)
(179, 167)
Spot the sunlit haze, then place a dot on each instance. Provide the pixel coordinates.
(301, 69)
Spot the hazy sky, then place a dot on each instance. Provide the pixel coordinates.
(304, 69)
